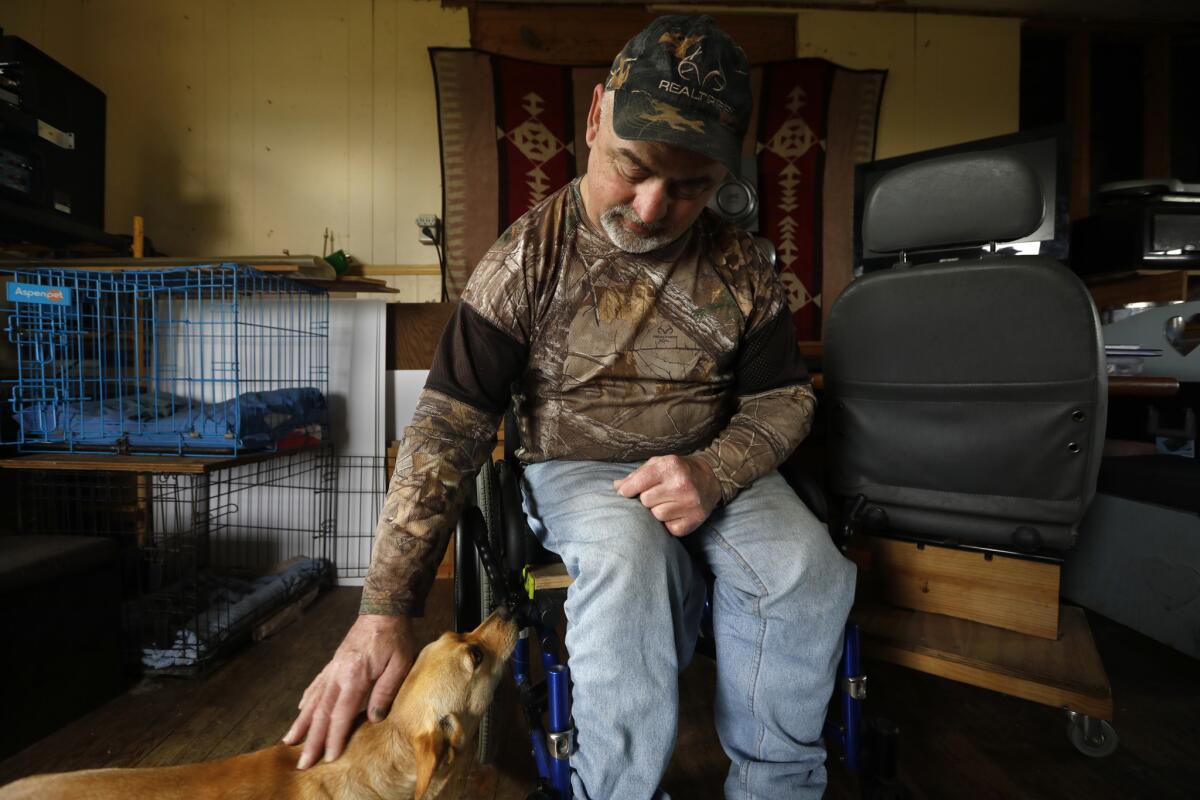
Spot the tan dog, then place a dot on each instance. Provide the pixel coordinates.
(436, 712)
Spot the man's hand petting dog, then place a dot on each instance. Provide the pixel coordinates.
(374, 658)
(680, 491)
(405, 756)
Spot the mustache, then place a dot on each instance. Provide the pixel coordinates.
(626, 212)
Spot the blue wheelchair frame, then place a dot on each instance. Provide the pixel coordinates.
(552, 744)
(546, 703)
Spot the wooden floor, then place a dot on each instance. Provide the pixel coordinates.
(958, 741)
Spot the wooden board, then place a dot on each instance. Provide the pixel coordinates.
(313, 266)
(1142, 386)
(414, 330)
(1142, 286)
(550, 576)
(1011, 593)
(285, 616)
(182, 465)
(1063, 672)
(351, 284)
(570, 35)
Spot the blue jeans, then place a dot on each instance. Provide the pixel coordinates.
(781, 598)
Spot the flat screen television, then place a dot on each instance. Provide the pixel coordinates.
(1046, 150)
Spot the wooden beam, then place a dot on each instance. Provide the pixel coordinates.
(1140, 286)
(1156, 108)
(99, 462)
(594, 35)
(1079, 112)
(415, 330)
(139, 236)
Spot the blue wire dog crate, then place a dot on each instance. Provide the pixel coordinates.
(206, 360)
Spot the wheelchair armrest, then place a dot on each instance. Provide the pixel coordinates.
(512, 519)
(521, 547)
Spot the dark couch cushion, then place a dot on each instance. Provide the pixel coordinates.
(31, 560)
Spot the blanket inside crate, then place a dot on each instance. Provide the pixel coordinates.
(252, 420)
(232, 606)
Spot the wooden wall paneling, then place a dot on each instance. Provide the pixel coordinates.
(359, 234)
(170, 163)
(415, 329)
(238, 81)
(871, 41)
(595, 34)
(220, 147)
(1079, 113)
(385, 151)
(974, 60)
(301, 53)
(1156, 108)
(1142, 286)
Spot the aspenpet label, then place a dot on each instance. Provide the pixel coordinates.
(34, 293)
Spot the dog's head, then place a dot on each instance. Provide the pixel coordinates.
(449, 689)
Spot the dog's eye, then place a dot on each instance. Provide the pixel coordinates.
(476, 654)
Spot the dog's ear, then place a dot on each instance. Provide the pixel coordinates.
(433, 747)
(428, 749)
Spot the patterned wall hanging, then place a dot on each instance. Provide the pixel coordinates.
(512, 132)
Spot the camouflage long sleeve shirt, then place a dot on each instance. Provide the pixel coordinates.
(605, 355)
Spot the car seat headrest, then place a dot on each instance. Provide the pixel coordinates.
(953, 201)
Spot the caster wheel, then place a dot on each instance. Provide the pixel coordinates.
(1092, 737)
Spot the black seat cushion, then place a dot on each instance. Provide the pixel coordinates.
(967, 400)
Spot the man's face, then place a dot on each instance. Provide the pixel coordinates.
(644, 195)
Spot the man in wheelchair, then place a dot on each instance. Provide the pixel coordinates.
(648, 351)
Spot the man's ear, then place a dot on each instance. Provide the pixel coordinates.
(433, 747)
(593, 116)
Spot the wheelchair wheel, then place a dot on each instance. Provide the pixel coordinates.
(466, 576)
(487, 492)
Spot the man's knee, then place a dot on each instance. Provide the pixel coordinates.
(819, 573)
(636, 549)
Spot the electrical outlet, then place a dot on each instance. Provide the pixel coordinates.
(430, 223)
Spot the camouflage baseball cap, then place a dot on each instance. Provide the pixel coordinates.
(682, 81)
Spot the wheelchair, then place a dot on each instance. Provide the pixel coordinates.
(498, 561)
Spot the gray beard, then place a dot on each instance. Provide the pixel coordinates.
(626, 239)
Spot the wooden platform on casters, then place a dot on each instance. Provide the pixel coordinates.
(1064, 671)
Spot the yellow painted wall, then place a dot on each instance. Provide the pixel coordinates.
(950, 78)
(249, 126)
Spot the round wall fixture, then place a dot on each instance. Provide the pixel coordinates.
(736, 200)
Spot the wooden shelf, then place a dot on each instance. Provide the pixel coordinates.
(182, 465)
(1142, 386)
(1112, 290)
(350, 284)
